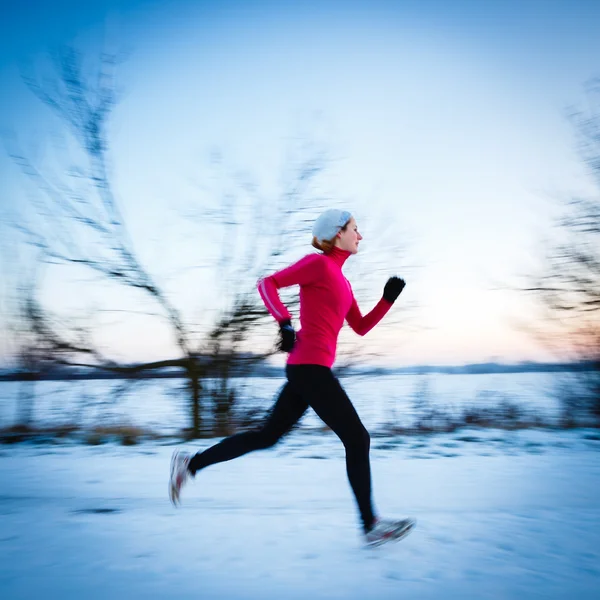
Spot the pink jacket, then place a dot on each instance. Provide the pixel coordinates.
(326, 299)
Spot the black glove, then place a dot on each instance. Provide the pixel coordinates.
(287, 336)
(392, 288)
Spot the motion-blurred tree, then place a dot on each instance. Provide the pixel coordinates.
(568, 285)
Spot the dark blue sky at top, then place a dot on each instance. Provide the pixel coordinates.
(31, 25)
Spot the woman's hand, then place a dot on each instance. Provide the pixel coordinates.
(393, 288)
(287, 336)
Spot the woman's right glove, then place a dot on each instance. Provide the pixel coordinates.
(287, 336)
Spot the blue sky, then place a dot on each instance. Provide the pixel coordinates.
(447, 118)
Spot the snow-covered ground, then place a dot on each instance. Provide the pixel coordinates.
(500, 515)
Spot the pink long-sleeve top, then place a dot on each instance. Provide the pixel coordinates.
(326, 299)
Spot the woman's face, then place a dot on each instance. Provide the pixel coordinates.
(349, 238)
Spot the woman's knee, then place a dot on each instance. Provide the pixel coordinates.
(359, 442)
(366, 440)
(263, 439)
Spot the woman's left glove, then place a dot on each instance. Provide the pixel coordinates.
(393, 288)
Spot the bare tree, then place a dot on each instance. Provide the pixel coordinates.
(568, 286)
(77, 221)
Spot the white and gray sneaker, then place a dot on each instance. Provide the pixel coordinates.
(179, 474)
(387, 530)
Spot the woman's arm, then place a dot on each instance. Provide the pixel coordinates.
(363, 324)
(303, 272)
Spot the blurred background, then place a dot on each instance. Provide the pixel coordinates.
(159, 157)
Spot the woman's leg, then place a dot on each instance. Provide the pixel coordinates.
(286, 412)
(324, 393)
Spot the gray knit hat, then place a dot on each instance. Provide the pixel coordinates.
(329, 223)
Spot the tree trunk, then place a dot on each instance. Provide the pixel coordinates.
(195, 397)
(26, 399)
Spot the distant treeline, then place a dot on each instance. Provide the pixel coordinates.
(69, 373)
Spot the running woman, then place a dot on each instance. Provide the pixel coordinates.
(326, 300)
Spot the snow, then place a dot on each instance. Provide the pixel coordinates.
(163, 405)
(500, 515)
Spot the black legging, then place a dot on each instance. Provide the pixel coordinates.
(317, 387)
